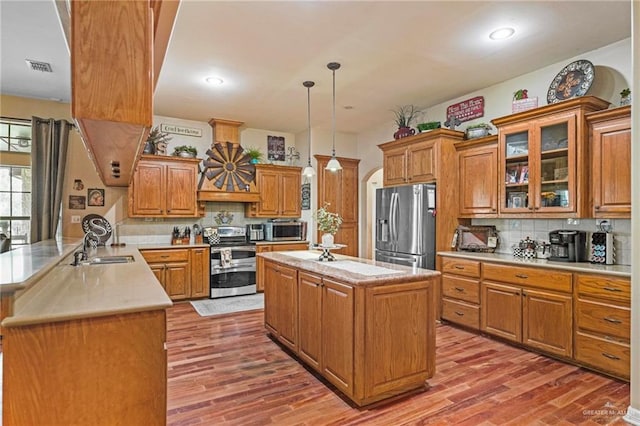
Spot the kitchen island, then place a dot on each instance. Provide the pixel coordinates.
(367, 327)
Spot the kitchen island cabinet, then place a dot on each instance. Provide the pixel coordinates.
(262, 247)
(368, 327)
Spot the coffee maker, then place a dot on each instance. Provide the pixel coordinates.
(568, 246)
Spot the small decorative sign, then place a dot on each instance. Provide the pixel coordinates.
(181, 130)
(275, 148)
(306, 196)
(468, 109)
(524, 104)
(77, 202)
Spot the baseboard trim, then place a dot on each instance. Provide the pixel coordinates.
(632, 416)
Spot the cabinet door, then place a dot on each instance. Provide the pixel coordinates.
(268, 183)
(501, 311)
(394, 166)
(310, 319)
(288, 306)
(421, 162)
(478, 178)
(547, 322)
(611, 162)
(348, 235)
(260, 270)
(147, 194)
(337, 334)
(200, 272)
(270, 283)
(159, 271)
(178, 279)
(181, 190)
(290, 194)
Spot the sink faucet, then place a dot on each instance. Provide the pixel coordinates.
(81, 256)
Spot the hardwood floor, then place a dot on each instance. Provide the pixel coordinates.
(224, 370)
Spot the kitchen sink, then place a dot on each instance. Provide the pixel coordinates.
(106, 260)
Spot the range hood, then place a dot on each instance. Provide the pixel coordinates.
(228, 174)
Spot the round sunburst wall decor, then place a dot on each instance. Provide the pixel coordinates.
(229, 167)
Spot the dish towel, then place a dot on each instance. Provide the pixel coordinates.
(225, 258)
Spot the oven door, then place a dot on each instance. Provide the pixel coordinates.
(236, 278)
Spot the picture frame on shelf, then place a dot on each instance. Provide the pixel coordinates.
(524, 174)
(517, 200)
(512, 173)
(561, 173)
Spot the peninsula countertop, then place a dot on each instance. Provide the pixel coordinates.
(352, 270)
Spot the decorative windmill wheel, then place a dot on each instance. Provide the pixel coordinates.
(229, 167)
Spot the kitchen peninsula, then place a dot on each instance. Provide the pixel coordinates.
(367, 327)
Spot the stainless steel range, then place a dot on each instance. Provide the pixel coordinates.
(233, 261)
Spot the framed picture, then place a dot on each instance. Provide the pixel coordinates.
(77, 202)
(524, 174)
(561, 173)
(306, 196)
(512, 174)
(275, 148)
(517, 200)
(95, 197)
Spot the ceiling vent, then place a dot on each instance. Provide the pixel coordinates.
(39, 66)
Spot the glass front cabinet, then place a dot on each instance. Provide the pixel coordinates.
(544, 160)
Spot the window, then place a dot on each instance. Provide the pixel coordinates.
(15, 180)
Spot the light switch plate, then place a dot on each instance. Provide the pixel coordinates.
(75, 219)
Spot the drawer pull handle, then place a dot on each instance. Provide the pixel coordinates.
(460, 314)
(613, 289)
(612, 320)
(606, 355)
(460, 289)
(522, 276)
(459, 267)
(164, 256)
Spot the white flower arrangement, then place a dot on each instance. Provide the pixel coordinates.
(328, 222)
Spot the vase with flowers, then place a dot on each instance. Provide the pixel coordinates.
(328, 223)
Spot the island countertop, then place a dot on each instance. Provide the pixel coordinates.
(353, 270)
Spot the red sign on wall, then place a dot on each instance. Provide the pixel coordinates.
(467, 110)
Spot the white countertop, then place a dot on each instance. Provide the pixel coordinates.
(618, 270)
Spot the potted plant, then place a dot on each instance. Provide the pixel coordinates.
(478, 130)
(156, 142)
(405, 116)
(423, 127)
(625, 97)
(185, 151)
(254, 153)
(328, 224)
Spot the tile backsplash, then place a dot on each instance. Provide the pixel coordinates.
(511, 231)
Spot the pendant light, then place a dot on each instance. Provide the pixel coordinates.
(334, 165)
(308, 171)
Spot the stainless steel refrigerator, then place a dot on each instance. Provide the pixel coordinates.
(406, 225)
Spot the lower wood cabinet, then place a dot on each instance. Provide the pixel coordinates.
(262, 248)
(461, 292)
(184, 272)
(281, 303)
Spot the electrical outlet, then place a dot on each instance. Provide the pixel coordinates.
(75, 219)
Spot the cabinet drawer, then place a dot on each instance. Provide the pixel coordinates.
(461, 313)
(605, 287)
(604, 319)
(530, 277)
(469, 268)
(613, 357)
(461, 288)
(159, 256)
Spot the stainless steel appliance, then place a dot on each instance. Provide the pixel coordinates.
(233, 261)
(255, 232)
(406, 225)
(290, 230)
(568, 246)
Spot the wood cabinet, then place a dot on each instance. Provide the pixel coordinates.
(424, 158)
(528, 305)
(461, 292)
(310, 342)
(478, 177)
(281, 303)
(262, 247)
(279, 188)
(543, 158)
(164, 187)
(603, 323)
(184, 273)
(610, 141)
(340, 190)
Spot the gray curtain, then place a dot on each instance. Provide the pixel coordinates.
(50, 140)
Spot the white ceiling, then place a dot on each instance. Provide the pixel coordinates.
(392, 53)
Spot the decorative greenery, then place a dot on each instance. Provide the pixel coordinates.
(405, 115)
(253, 153)
(520, 94)
(185, 148)
(625, 92)
(479, 126)
(156, 136)
(328, 222)
(428, 126)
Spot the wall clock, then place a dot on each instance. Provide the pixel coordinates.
(573, 81)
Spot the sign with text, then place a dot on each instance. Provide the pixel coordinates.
(181, 130)
(468, 109)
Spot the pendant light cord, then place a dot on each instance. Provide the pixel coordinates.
(308, 86)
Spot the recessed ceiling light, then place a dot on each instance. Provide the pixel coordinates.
(214, 80)
(502, 33)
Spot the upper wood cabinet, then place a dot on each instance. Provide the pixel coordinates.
(279, 188)
(610, 140)
(340, 190)
(543, 157)
(164, 187)
(478, 177)
(112, 75)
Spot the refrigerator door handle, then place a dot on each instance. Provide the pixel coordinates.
(391, 219)
(394, 212)
(401, 258)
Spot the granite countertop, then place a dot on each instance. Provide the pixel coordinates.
(585, 267)
(269, 243)
(73, 292)
(156, 246)
(352, 270)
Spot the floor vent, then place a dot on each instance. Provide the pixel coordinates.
(39, 66)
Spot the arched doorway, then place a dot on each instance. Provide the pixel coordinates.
(372, 181)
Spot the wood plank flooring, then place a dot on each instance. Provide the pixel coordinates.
(224, 370)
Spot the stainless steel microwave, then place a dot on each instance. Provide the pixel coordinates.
(285, 231)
